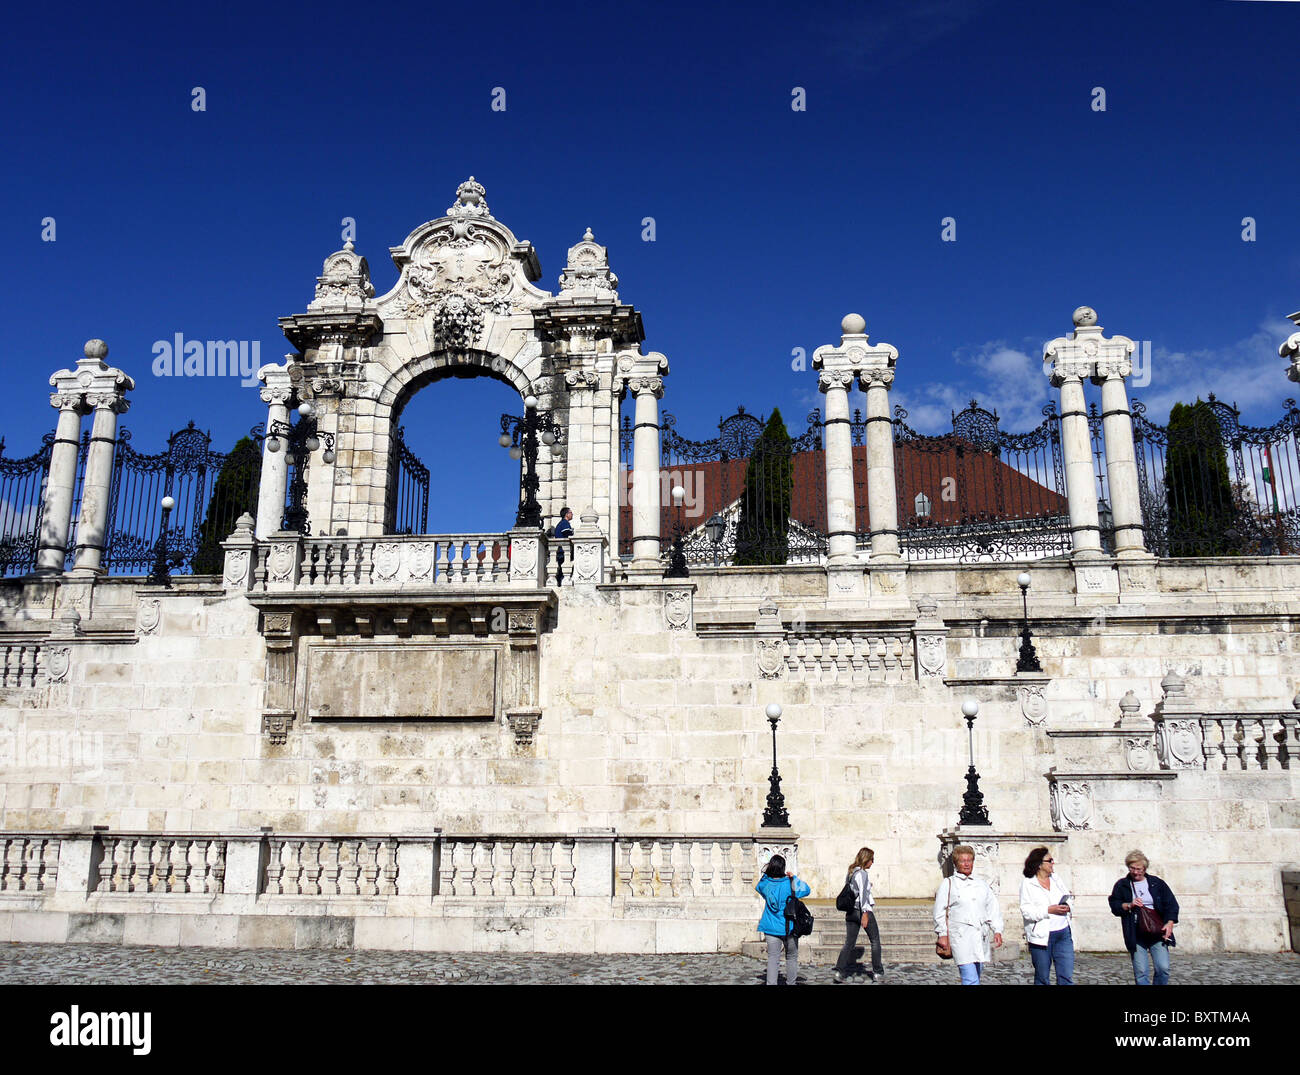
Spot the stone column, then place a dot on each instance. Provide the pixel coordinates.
(646, 514)
(1121, 462)
(882, 494)
(874, 366)
(92, 526)
(841, 506)
(1073, 358)
(275, 466)
(56, 515)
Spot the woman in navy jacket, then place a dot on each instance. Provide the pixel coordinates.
(1140, 889)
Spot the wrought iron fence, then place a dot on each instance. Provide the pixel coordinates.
(753, 494)
(977, 493)
(22, 503)
(408, 489)
(1210, 486)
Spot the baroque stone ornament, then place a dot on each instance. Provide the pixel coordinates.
(523, 723)
(586, 562)
(276, 726)
(1071, 804)
(457, 322)
(387, 559)
(1033, 705)
(587, 276)
(769, 655)
(931, 657)
(344, 282)
(419, 561)
(1178, 744)
(280, 562)
(58, 660)
(1140, 753)
(236, 566)
(677, 609)
(150, 615)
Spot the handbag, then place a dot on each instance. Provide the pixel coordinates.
(1148, 920)
(847, 900)
(941, 949)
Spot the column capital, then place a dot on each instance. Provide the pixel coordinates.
(91, 375)
(67, 401)
(109, 401)
(1086, 352)
(856, 356)
(647, 371)
(279, 385)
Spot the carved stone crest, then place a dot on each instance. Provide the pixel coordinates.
(931, 656)
(677, 609)
(420, 560)
(1178, 743)
(523, 722)
(586, 562)
(58, 660)
(280, 563)
(1033, 706)
(236, 566)
(387, 558)
(770, 657)
(1140, 753)
(276, 726)
(1071, 804)
(150, 615)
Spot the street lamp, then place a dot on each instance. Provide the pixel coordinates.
(1028, 656)
(716, 527)
(677, 559)
(1106, 520)
(298, 441)
(521, 436)
(775, 815)
(973, 811)
(161, 573)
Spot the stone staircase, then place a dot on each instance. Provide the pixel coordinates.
(906, 935)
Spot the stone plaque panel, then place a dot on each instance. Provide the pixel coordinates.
(401, 682)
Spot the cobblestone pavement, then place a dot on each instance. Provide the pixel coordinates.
(87, 964)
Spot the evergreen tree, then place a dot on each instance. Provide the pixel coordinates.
(763, 529)
(1201, 511)
(233, 493)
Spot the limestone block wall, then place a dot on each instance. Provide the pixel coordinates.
(657, 729)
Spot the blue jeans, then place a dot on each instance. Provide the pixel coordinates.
(970, 973)
(1059, 949)
(1159, 960)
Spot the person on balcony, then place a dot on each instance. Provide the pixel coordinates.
(564, 528)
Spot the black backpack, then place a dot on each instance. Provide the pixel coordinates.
(847, 900)
(798, 919)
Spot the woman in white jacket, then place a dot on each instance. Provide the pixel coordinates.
(863, 916)
(1045, 907)
(965, 912)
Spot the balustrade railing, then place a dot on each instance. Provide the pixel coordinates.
(392, 560)
(159, 864)
(507, 866)
(29, 862)
(886, 658)
(331, 866)
(1249, 741)
(658, 867)
(21, 662)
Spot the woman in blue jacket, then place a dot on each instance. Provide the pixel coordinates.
(776, 886)
(1141, 889)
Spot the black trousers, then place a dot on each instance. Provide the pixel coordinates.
(852, 926)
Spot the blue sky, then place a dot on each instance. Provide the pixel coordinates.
(771, 224)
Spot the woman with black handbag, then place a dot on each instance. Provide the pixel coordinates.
(777, 888)
(861, 914)
(1146, 907)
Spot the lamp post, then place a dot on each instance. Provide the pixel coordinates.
(1028, 656)
(161, 573)
(299, 441)
(973, 811)
(521, 436)
(775, 815)
(1106, 521)
(677, 559)
(716, 528)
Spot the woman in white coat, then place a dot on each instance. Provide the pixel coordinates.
(965, 912)
(1045, 907)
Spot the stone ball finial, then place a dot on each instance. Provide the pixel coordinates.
(468, 194)
(348, 246)
(1173, 683)
(1296, 700)
(96, 349)
(853, 325)
(1129, 704)
(1085, 316)
(587, 236)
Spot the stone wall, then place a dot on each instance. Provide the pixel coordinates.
(148, 712)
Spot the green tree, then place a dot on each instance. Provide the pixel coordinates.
(233, 493)
(1198, 492)
(763, 529)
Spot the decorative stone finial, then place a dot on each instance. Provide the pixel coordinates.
(1129, 705)
(244, 522)
(1085, 316)
(1296, 700)
(1173, 683)
(96, 349)
(587, 274)
(853, 325)
(348, 246)
(344, 282)
(587, 236)
(470, 200)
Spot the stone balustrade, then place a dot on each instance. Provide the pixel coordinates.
(29, 862)
(507, 866)
(21, 661)
(157, 864)
(853, 658)
(657, 867)
(331, 866)
(1250, 741)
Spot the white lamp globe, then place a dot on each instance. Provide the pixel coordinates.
(328, 455)
(1023, 580)
(970, 707)
(530, 401)
(167, 503)
(516, 453)
(504, 440)
(272, 444)
(679, 494)
(305, 409)
(773, 711)
(313, 443)
(548, 438)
